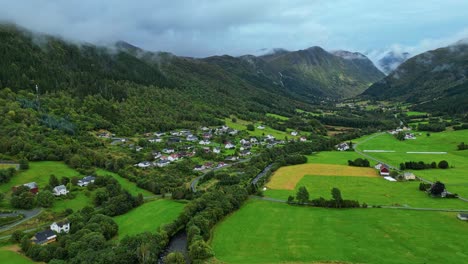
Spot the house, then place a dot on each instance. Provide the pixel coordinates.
(205, 128)
(221, 164)
(174, 140)
(138, 149)
(175, 133)
(44, 237)
(233, 132)
(155, 140)
(144, 164)
(253, 140)
(294, 133)
(33, 187)
(261, 127)
(229, 145)
(384, 170)
(60, 190)
(185, 132)
(409, 176)
(60, 227)
(204, 142)
(378, 166)
(199, 168)
(207, 149)
(409, 136)
(216, 150)
(244, 142)
(463, 217)
(244, 153)
(117, 141)
(159, 134)
(207, 135)
(231, 158)
(168, 150)
(163, 163)
(86, 181)
(192, 138)
(173, 157)
(208, 164)
(342, 146)
(156, 154)
(303, 139)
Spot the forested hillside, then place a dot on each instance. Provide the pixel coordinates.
(435, 80)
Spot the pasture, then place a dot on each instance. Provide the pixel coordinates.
(266, 232)
(40, 172)
(287, 177)
(148, 217)
(370, 190)
(131, 187)
(455, 178)
(242, 125)
(9, 254)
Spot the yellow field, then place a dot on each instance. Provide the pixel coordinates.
(286, 178)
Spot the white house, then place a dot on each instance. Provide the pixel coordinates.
(216, 150)
(144, 164)
(303, 139)
(60, 227)
(463, 217)
(167, 151)
(60, 190)
(204, 142)
(159, 134)
(173, 157)
(294, 133)
(342, 147)
(199, 168)
(229, 145)
(163, 163)
(192, 138)
(244, 141)
(155, 140)
(270, 137)
(261, 127)
(409, 176)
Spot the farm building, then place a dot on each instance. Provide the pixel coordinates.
(409, 176)
(33, 187)
(44, 237)
(60, 190)
(384, 170)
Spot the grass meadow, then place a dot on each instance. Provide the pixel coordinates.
(242, 125)
(266, 232)
(10, 256)
(148, 217)
(126, 184)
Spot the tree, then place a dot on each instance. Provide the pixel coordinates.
(65, 180)
(22, 198)
(53, 181)
(290, 199)
(437, 188)
(200, 250)
(45, 199)
(443, 164)
(23, 164)
(336, 194)
(234, 120)
(174, 258)
(250, 127)
(302, 195)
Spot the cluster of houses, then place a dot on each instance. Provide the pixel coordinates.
(405, 130)
(57, 190)
(33, 187)
(209, 165)
(384, 170)
(50, 235)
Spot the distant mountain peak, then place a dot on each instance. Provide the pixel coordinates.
(392, 60)
(348, 55)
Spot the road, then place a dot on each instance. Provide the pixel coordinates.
(194, 183)
(28, 214)
(262, 174)
(389, 165)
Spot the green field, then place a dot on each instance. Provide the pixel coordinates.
(370, 190)
(280, 117)
(455, 178)
(266, 232)
(242, 125)
(333, 157)
(148, 217)
(10, 257)
(39, 172)
(77, 203)
(413, 113)
(126, 184)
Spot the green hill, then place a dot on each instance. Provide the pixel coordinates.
(435, 80)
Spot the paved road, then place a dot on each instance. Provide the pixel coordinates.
(391, 166)
(262, 174)
(28, 214)
(194, 183)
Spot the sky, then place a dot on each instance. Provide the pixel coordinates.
(201, 28)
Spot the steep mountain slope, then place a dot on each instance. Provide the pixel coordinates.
(436, 80)
(392, 60)
(312, 73)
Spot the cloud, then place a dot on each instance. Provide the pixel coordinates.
(204, 27)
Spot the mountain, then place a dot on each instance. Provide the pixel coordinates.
(392, 60)
(434, 80)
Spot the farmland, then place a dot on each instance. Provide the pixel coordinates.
(148, 217)
(8, 254)
(265, 232)
(131, 187)
(287, 177)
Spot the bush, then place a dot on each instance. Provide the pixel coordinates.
(443, 164)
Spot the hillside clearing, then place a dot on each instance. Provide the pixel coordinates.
(287, 177)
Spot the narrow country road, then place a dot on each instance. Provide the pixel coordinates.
(28, 214)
